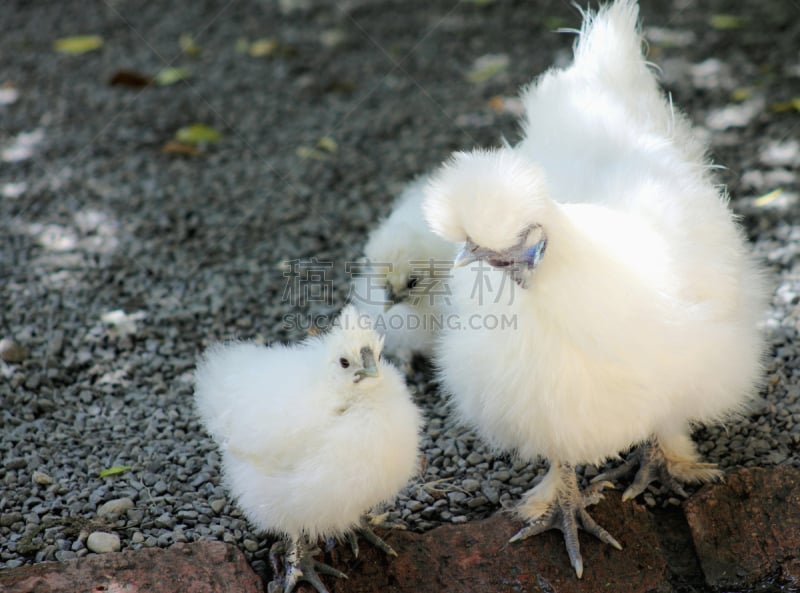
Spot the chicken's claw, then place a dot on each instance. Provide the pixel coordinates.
(366, 532)
(567, 512)
(654, 465)
(299, 565)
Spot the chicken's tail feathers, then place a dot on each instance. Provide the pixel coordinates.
(609, 45)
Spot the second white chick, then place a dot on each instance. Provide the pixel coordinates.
(405, 289)
(312, 436)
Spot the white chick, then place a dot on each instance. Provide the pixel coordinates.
(312, 435)
(630, 298)
(404, 288)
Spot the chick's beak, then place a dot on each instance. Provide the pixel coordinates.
(469, 253)
(370, 365)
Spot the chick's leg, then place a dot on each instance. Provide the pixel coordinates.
(557, 503)
(299, 565)
(671, 459)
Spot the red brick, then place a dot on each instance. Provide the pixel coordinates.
(203, 567)
(746, 530)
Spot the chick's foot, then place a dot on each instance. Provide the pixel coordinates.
(366, 532)
(558, 503)
(672, 466)
(298, 565)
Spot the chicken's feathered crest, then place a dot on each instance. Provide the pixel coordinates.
(490, 197)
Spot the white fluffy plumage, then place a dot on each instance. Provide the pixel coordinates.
(312, 435)
(408, 268)
(635, 298)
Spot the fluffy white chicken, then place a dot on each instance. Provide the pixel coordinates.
(312, 436)
(404, 285)
(631, 295)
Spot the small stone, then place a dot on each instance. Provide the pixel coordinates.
(102, 542)
(116, 506)
(217, 505)
(474, 458)
(8, 519)
(64, 555)
(456, 497)
(471, 485)
(137, 538)
(41, 478)
(250, 545)
(17, 463)
(12, 352)
(164, 520)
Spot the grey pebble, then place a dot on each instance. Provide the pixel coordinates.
(8, 519)
(471, 485)
(102, 542)
(116, 506)
(456, 497)
(41, 478)
(11, 351)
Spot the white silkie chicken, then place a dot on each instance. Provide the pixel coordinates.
(403, 288)
(632, 296)
(312, 436)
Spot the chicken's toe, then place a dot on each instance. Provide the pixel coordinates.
(567, 512)
(299, 565)
(670, 468)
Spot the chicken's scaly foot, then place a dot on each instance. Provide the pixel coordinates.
(299, 565)
(567, 512)
(366, 532)
(655, 465)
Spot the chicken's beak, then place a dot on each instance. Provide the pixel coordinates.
(469, 253)
(370, 366)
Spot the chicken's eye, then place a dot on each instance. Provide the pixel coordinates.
(499, 263)
(412, 282)
(344, 363)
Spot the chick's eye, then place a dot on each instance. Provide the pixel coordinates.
(344, 363)
(412, 282)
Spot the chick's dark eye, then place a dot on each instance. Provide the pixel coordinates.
(344, 363)
(412, 282)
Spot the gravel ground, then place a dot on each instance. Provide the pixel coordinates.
(120, 262)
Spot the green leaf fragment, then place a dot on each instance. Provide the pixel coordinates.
(169, 76)
(727, 22)
(327, 144)
(115, 471)
(785, 106)
(487, 67)
(77, 45)
(741, 94)
(768, 198)
(263, 47)
(188, 45)
(197, 134)
(304, 152)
